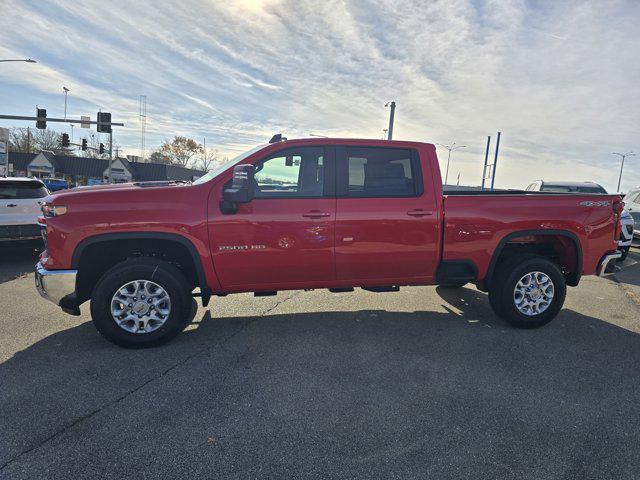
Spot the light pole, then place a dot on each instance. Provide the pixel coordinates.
(623, 156)
(27, 60)
(65, 90)
(392, 113)
(451, 148)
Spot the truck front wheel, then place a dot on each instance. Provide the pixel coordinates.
(141, 302)
(527, 291)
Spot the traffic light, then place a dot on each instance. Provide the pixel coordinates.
(41, 113)
(84, 144)
(104, 117)
(101, 149)
(65, 140)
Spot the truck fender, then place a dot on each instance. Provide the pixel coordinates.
(572, 280)
(106, 237)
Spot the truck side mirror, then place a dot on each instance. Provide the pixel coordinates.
(241, 189)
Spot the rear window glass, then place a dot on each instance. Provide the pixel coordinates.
(18, 190)
(381, 172)
(572, 189)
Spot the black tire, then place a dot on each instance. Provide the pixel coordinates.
(454, 285)
(507, 276)
(625, 252)
(160, 272)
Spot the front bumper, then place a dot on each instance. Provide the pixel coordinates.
(604, 263)
(57, 286)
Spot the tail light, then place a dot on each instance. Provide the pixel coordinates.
(618, 207)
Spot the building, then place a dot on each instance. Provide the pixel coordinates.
(90, 171)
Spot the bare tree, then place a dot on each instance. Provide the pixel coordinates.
(34, 141)
(159, 157)
(180, 150)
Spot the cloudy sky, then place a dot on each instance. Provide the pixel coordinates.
(559, 79)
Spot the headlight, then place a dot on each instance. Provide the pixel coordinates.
(53, 210)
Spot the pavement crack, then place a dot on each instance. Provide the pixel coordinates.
(115, 401)
(122, 397)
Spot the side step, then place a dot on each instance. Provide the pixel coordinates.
(390, 288)
(265, 294)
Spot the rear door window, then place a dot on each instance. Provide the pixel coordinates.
(22, 190)
(379, 172)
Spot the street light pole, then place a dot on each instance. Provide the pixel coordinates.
(451, 148)
(391, 118)
(65, 90)
(623, 156)
(27, 60)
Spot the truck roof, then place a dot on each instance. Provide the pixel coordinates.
(351, 141)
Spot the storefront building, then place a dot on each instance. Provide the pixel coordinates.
(93, 171)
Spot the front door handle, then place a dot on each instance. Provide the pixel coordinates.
(316, 214)
(419, 213)
(11, 205)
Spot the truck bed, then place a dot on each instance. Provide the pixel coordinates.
(475, 227)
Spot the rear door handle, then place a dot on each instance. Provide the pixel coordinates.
(11, 205)
(419, 213)
(316, 214)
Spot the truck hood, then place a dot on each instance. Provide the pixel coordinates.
(80, 193)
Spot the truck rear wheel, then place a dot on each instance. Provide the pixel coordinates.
(527, 291)
(141, 302)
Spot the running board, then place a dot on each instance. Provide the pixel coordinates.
(390, 288)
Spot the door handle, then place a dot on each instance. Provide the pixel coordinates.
(419, 213)
(11, 205)
(316, 214)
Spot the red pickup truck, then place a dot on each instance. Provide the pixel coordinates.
(314, 213)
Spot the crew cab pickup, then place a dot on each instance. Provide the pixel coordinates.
(314, 213)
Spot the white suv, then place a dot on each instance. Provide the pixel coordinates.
(20, 200)
(632, 205)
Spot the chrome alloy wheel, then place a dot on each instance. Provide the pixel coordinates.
(140, 306)
(533, 293)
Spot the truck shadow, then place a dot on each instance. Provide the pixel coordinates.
(466, 355)
(18, 259)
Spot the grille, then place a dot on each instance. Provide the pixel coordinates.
(19, 231)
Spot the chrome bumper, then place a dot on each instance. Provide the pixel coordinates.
(54, 285)
(604, 263)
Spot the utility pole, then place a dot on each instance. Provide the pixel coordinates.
(65, 90)
(451, 148)
(495, 161)
(110, 155)
(623, 156)
(392, 113)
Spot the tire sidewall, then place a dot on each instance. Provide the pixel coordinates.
(162, 273)
(508, 306)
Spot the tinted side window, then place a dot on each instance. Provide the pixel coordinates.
(382, 172)
(297, 172)
(21, 190)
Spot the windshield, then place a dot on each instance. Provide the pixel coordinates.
(221, 168)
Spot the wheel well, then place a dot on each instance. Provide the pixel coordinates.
(563, 249)
(96, 258)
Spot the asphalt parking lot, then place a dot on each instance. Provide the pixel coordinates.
(423, 383)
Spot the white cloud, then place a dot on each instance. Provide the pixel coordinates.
(557, 78)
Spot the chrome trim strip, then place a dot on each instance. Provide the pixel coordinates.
(54, 285)
(602, 266)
